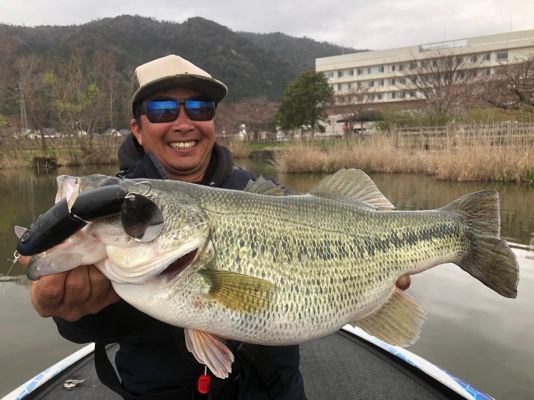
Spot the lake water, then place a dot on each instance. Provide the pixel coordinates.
(470, 331)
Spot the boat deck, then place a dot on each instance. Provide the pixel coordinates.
(339, 366)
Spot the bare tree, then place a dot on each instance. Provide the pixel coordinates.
(257, 113)
(446, 83)
(32, 91)
(511, 86)
(353, 104)
(8, 81)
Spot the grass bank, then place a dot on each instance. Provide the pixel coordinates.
(463, 159)
(16, 152)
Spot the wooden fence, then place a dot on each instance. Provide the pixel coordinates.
(450, 136)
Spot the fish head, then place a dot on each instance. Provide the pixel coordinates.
(163, 232)
(159, 227)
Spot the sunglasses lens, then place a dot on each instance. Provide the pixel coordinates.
(141, 218)
(162, 110)
(200, 110)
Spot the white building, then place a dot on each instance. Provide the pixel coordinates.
(382, 74)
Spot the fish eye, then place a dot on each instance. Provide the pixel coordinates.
(141, 218)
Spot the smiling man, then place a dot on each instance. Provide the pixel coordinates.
(173, 137)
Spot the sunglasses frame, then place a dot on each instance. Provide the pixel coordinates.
(143, 109)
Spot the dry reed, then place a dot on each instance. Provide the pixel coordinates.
(238, 148)
(479, 158)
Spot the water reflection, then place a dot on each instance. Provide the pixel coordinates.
(470, 331)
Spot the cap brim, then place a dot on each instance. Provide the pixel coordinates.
(211, 88)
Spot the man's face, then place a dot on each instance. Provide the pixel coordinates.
(182, 146)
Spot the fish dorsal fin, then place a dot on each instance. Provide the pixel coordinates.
(355, 185)
(264, 186)
(397, 322)
(209, 350)
(238, 291)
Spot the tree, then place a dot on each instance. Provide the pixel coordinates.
(446, 83)
(257, 113)
(354, 107)
(304, 101)
(511, 86)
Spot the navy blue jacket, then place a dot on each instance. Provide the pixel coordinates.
(152, 357)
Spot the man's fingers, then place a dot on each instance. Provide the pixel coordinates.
(102, 292)
(77, 287)
(25, 261)
(47, 293)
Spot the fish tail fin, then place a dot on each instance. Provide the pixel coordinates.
(490, 259)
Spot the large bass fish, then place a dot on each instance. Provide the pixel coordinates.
(263, 268)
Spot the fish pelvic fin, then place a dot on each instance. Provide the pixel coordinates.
(490, 259)
(354, 185)
(238, 292)
(210, 351)
(397, 322)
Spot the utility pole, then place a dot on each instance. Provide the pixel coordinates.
(23, 115)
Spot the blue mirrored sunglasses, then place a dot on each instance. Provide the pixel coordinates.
(167, 110)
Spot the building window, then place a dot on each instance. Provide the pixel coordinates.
(486, 57)
(359, 71)
(381, 82)
(351, 72)
(473, 59)
(393, 68)
(502, 55)
(402, 81)
(413, 65)
(392, 81)
(329, 74)
(369, 70)
(340, 74)
(339, 87)
(381, 68)
(349, 86)
(371, 83)
(402, 95)
(379, 96)
(401, 67)
(358, 85)
(393, 95)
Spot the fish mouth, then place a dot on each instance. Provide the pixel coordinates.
(179, 264)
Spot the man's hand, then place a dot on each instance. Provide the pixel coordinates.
(404, 282)
(73, 294)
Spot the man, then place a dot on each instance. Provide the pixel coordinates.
(173, 137)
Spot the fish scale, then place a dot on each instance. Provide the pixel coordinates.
(308, 257)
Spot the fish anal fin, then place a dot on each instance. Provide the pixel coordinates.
(397, 322)
(210, 351)
(238, 292)
(354, 185)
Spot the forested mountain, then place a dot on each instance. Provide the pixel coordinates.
(59, 70)
(249, 63)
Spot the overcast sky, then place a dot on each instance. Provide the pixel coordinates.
(376, 24)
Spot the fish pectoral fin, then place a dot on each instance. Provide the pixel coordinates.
(353, 185)
(210, 351)
(238, 292)
(397, 322)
